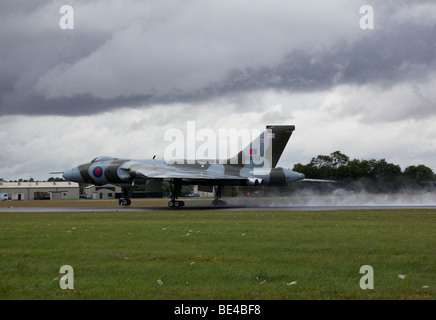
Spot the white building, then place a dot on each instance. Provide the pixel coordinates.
(40, 190)
(102, 192)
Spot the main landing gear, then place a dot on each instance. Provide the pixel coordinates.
(217, 202)
(176, 203)
(125, 201)
(176, 188)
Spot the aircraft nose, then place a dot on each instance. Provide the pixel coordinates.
(73, 175)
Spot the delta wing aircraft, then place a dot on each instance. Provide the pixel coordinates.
(255, 165)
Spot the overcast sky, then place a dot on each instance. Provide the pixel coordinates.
(131, 70)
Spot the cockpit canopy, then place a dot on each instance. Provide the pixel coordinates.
(103, 158)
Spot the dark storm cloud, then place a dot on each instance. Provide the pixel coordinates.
(406, 54)
(385, 58)
(33, 65)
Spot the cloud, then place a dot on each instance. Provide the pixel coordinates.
(158, 52)
(381, 58)
(33, 146)
(377, 105)
(421, 12)
(131, 70)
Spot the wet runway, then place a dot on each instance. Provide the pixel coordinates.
(211, 208)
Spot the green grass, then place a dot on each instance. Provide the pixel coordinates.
(219, 254)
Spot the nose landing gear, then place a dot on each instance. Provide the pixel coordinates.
(125, 201)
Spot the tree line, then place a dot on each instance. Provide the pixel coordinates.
(338, 166)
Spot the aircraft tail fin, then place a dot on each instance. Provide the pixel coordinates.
(280, 138)
(265, 150)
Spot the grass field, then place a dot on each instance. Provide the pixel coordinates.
(219, 254)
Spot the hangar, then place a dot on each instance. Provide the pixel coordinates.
(55, 190)
(110, 191)
(103, 192)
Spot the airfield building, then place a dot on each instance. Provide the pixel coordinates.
(110, 191)
(40, 190)
(102, 192)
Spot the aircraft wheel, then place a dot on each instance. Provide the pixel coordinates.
(176, 204)
(219, 203)
(125, 202)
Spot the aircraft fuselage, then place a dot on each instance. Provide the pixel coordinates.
(122, 172)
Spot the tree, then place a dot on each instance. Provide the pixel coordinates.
(324, 167)
(419, 173)
(339, 166)
(354, 169)
(306, 169)
(385, 170)
(339, 159)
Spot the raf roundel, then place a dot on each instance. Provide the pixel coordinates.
(98, 172)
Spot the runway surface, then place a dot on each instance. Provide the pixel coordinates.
(210, 208)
